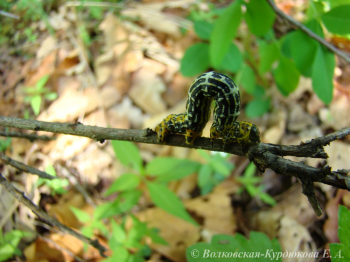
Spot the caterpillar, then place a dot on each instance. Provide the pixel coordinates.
(207, 87)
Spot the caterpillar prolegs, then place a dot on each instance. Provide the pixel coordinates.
(204, 89)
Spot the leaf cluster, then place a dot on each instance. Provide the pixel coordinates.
(286, 58)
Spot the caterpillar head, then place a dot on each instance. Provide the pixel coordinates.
(254, 135)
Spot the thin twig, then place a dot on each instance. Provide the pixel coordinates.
(23, 167)
(20, 196)
(30, 137)
(308, 31)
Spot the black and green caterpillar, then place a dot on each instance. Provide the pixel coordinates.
(204, 89)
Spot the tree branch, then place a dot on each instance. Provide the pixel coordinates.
(263, 155)
(24, 168)
(19, 195)
(30, 137)
(307, 31)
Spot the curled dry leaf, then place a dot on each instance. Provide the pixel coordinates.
(73, 104)
(146, 91)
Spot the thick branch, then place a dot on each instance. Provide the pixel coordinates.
(43, 215)
(263, 155)
(307, 31)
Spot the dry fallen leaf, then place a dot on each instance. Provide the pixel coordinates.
(146, 91)
(177, 232)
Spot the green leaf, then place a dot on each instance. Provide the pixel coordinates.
(120, 254)
(125, 182)
(51, 96)
(315, 27)
(315, 9)
(303, 57)
(232, 60)
(250, 170)
(50, 170)
(203, 29)
(266, 198)
(340, 251)
(259, 17)
(286, 76)
(269, 53)
(118, 232)
(128, 154)
(246, 79)
(128, 200)
(337, 20)
(204, 175)
(6, 252)
(335, 3)
(107, 210)
(168, 169)
(168, 201)
(35, 103)
(42, 81)
(257, 107)
(322, 74)
(195, 60)
(218, 164)
(236, 248)
(224, 31)
(81, 215)
(153, 233)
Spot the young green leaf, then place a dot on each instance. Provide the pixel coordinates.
(335, 3)
(259, 17)
(125, 182)
(168, 201)
(81, 215)
(42, 81)
(107, 210)
(322, 74)
(257, 107)
(315, 27)
(203, 29)
(269, 53)
(224, 31)
(303, 57)
(246, 79)
(128, 154)
(315, 9)
(219, 165)
(286, 76)
(35, 103)
(340, 251)
(128, 199)
(204, 175)
(232, 60)
(168, 169)
(337, 20)
(118, 232)
(195, 60)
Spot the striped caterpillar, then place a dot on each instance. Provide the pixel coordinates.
(204, 89)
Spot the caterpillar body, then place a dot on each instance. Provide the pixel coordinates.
(204, 89)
